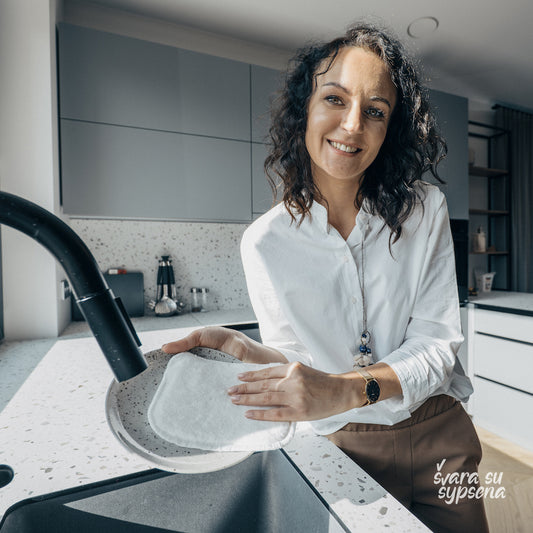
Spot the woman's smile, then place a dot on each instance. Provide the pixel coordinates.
(346, 148)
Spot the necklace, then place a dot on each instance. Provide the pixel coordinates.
(364, 356)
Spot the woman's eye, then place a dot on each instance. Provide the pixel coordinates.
(332, 99)
(374, 112)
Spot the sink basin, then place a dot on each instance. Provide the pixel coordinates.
(264, 493)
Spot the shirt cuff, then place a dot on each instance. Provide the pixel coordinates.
(413, 381)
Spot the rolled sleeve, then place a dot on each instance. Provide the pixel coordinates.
(425, 361)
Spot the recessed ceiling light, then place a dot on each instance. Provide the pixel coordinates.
(422, 27)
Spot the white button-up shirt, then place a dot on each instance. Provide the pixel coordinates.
(304, 284)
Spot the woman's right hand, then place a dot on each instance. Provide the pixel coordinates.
(229, 341)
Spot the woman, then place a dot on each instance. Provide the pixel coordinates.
(352, 278)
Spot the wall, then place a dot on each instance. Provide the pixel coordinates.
(29, 163)
(203, 255)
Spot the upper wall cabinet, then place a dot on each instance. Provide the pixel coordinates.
(265, 84)
(122, 172)
(119, 80)
(451, 112)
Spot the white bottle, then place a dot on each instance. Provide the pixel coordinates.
(480, 241)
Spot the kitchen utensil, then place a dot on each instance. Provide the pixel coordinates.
(167, 302)
(127, 406)
(165, 305)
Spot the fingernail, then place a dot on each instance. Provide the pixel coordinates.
(242, 376)
(249, 414)
(235, 399)
(232, 390)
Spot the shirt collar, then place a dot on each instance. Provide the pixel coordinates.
(319, 216)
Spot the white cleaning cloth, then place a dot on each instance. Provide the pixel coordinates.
(191, 408)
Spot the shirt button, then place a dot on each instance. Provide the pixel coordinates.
(345, 258)
(354, 300)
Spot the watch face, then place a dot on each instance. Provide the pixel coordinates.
(372, 391)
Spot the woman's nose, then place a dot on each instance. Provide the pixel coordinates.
(353, 119)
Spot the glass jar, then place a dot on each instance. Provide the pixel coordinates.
(199, 299)
(196, 305)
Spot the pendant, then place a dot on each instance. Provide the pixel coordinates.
(364, 357)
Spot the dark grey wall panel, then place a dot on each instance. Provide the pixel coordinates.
(265, 83)
(452, 115)
(124, 172)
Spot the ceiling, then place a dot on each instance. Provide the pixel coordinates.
(482, 49)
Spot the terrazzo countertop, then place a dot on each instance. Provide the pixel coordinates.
(520, 303)
(54, 434)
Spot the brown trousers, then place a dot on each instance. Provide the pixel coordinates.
(403, 458)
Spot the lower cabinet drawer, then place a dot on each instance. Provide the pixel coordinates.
(507, 325)
(504, 411)
(503, 360)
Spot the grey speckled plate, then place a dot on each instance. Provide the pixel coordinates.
(127, 415)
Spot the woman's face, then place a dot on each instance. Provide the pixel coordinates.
(348, 115)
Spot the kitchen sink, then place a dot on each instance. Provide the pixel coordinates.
(264, 493)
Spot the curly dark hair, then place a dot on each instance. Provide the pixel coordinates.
(412, 145)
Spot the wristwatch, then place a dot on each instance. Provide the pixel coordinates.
(372, 388)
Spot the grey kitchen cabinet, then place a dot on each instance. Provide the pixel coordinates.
(265, 82)
(113, 79)
(121, 172)
(451, 112)
(262, 197)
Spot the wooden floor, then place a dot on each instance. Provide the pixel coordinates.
(514, 514)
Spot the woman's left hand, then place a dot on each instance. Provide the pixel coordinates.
(294, 392)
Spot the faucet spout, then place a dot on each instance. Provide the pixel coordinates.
(104, 313)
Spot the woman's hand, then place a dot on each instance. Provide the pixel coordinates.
(229, 341)
(296, 392)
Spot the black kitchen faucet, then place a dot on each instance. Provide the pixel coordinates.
(104, 313)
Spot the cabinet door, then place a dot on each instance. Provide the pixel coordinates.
(113, 79)
(213, 96)
(265, 82)
(118, 172)
(504, 361)
(262, 197)
(504, 411)
(452, 116)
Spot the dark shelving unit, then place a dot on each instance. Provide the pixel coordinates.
(495, 216)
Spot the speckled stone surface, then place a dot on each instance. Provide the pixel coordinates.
(513, 301)
(150, 322)
(17, 361)
(54, 434)
(203, 255)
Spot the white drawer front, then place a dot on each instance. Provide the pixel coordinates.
(504, 361)
(504, 411)
(507, 325)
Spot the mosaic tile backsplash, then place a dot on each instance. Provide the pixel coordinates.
(203, 255)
